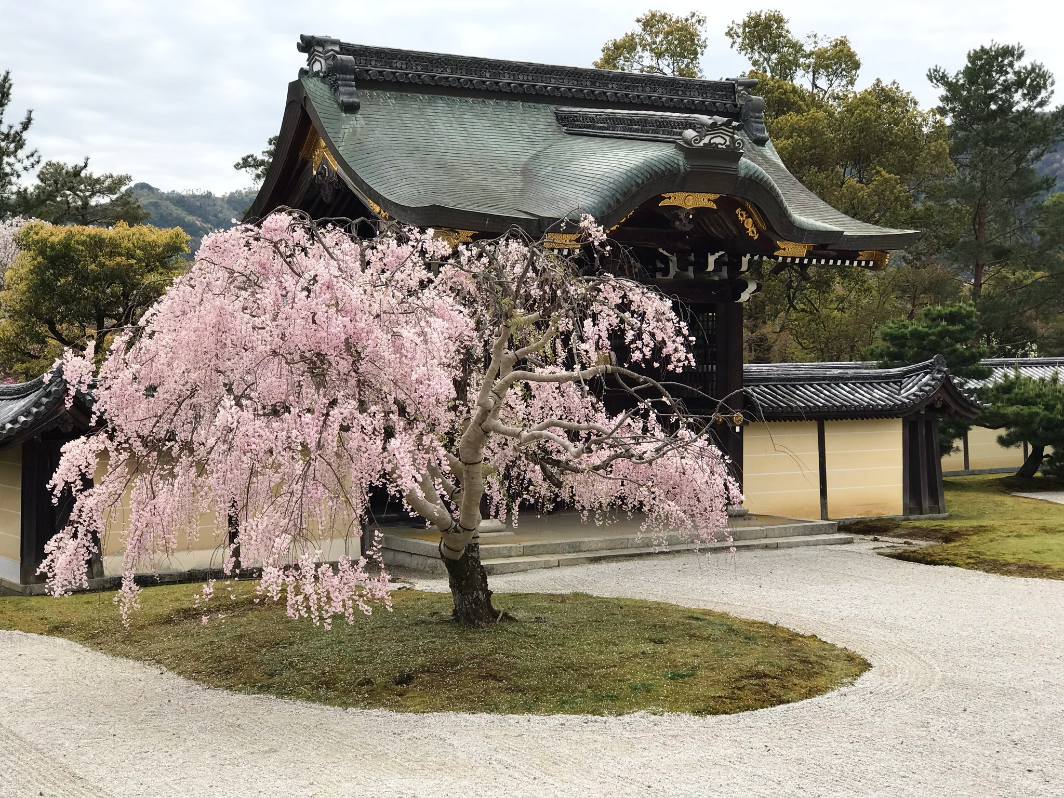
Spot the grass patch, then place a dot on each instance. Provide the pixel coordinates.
(573, 654)
(989, 529)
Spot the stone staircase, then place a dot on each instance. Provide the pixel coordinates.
(556, 541)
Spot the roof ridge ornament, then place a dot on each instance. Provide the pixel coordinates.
(687, 131)
(525, 78)
(325, 61)
(751, 109)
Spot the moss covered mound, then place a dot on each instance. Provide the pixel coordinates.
(571, 654)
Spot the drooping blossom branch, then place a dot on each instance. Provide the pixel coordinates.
(295, 369)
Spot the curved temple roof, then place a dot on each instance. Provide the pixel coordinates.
(798, 391)
(480, 145)
(29, 408)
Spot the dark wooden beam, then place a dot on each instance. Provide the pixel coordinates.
(921, 457)
(729, 380)
(906, 466)
(822, 451)
(934, 466)
(30, 506)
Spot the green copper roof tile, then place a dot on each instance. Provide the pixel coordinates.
(426, 152)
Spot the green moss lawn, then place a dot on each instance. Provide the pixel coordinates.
(574, 654)
(989, 529)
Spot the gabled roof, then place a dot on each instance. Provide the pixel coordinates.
(30, 408)
(476, 144)
(797, 391)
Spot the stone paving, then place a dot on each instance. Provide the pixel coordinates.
(965, 698)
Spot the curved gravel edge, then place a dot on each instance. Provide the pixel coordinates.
(964, 697)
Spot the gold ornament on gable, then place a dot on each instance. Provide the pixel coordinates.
(454, 237)
(747, 221)
(792, 249)
(689, 199)
(315, 150)
(562, 241)
(878, 257)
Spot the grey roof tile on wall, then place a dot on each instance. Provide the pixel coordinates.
(1039, 368)
(26, 407)
(790, 391)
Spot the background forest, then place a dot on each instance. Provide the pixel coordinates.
(977, 174)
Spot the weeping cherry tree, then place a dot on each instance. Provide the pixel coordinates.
(295, 369)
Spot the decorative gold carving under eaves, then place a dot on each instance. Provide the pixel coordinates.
(688, 199)
(791, 249)
(747, 221)
(454, 237)
(314, 150)
(377, 209)
(878, 257)
(562, 241)
(625, 219)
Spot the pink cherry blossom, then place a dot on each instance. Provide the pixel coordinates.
(295, 369)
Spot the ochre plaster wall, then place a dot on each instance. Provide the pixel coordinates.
(864, 467)
(954, 461)
(984, 452)
(10, 510)
(204, 550)
(781, 472)
(781, 466)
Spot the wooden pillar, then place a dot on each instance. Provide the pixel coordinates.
(729, 379)
(906, 466)
(822, 449)
(921, 457)
(934, 462)
(964, 445)
(30, 523)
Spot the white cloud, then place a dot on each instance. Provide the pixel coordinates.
(174, 93)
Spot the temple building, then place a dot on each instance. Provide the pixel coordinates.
(35, 422)
(681, 172)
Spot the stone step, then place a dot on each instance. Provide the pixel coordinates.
(429, 562)
(497, 548)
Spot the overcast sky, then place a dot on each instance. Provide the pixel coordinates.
(174, 92)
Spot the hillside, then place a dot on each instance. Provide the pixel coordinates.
(1053, 164)
(197, 213)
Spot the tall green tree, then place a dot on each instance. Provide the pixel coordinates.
(258, 165)
(71, 194)
(663, 44)
(793, 76)
(15, 157)
(1022, 307)
(1028, 410)
(1001, 124)
(875, 155)
(72, 284)
(950, 330)
(63, 193)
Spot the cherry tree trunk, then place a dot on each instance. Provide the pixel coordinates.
(469, 588)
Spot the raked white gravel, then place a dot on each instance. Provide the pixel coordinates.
(965, 698)
(1055, 496)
